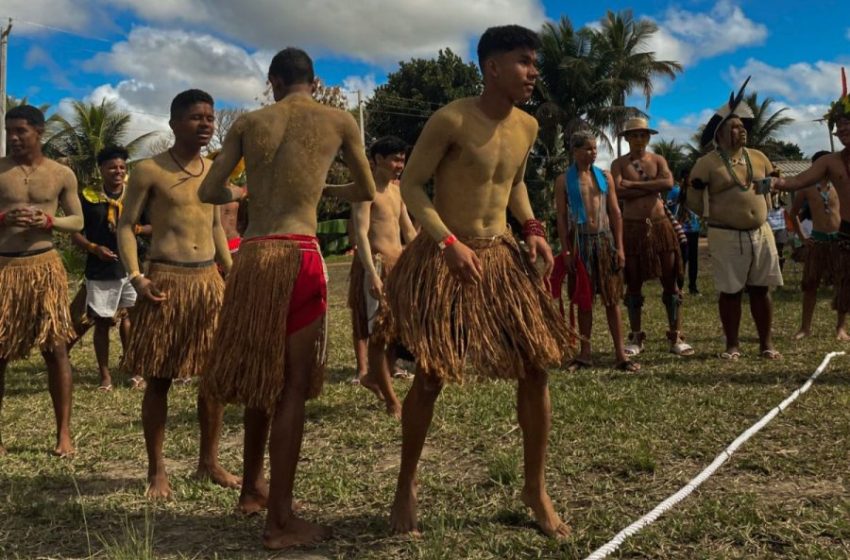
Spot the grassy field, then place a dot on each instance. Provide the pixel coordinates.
(620, 444)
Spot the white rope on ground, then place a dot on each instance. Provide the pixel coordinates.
(612, 545)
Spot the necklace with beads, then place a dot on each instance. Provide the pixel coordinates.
(728, 162)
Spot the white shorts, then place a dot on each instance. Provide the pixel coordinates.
(106, 297)
(743, 258)
(372, 305)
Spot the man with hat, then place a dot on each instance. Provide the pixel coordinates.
(835, 168)
(651, 243)
(740, 240)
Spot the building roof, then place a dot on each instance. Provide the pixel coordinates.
(791, 168)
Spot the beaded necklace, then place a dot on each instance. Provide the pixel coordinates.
(728, 163)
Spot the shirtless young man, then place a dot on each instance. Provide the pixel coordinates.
(33, 285)
(178, 301)
(821, 248)
(269, 348)
(651, 244)
(590, 228)
(835, 168)
(379, 226)
(464, 291)
(743, 253)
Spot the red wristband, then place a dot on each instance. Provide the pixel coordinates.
(48, 221)
(2, 218)
(533, 227)
(449, 240)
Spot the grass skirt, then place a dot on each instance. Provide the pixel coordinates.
(172, 339)
(34, 308)
(248, 363)
(356, 299)
(599, 256)
(819, 265)
(504, 327)
(645, 242)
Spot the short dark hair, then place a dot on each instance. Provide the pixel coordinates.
(293, 66)
(387, 145)
(185, 99)
(32, 115)
(497, 40)
(819, 155)
(112, 152)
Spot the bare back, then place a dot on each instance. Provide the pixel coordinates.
(288, 149)
(475, 162)
(182, 225)
(45, 187)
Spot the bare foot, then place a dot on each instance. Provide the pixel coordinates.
(253, 499)
(545, 516)
(394, 409)
(216, 474)
(842, 335)
(403, 513)
(2, 450)
(296, 532)
(158, 487)
(368, 383)
(802, 333)
(64, 448)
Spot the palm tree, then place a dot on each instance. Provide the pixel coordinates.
(621, 45)
(766, 125)
(91, 128)
(676, 154)
(574, 86)
(15, 102)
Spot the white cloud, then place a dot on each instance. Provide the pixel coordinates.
(802, 81)
(690, 36)
(364, 84)
(73, 15)
(377, 31)
(170, 61)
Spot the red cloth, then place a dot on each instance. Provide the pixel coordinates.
(233, 244)
(309, 299)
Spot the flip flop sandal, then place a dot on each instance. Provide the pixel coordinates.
(137, 383)
(770, 354)
(628, 366)
(105, 388)
(731, 356)
(402, 374)
(682, 348)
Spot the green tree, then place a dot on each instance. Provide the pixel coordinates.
(92, 127)
(15, 102)
(676, 154)
(621, 45)
(766, 124)
(417, 89)
(778, 150)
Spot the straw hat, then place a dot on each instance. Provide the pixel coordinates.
(637, 124)
(735, 107)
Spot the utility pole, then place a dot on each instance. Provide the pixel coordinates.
(4, 41)
(360, 112)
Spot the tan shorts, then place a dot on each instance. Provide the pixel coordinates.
(743, 258)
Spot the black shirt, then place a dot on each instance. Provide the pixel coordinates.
(96, 230)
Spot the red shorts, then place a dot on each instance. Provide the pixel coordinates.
(309, 299)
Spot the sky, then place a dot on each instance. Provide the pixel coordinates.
(140, 53)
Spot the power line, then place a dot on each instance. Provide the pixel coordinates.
(58, 29)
